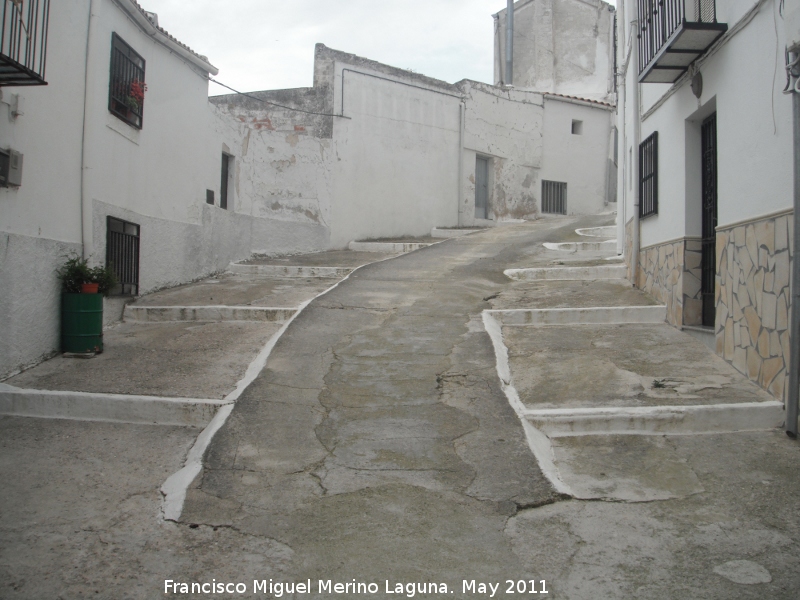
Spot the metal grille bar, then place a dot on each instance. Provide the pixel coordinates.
(554, 197)
(23, 42)
(709, 241)
(648, 176)
(122, 254)
(127, 67)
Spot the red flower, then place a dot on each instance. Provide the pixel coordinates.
(138, 88)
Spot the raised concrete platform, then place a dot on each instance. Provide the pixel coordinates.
(528, 295)
(568, 273)
(160, 314)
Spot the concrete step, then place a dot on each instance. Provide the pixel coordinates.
(608, 245)
(609, 231)
(437, 232)
(387, 247)
(119, 408)
(568, 273)
(581, 316)
(290, 272)
(157, 314)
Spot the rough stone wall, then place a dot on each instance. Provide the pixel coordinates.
(753, 298)
(661, 270)
(692, 275)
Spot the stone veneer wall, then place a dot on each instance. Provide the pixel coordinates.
(753, 299)
(660, 274)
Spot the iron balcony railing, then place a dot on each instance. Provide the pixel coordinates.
(673, 33)
(23, 42)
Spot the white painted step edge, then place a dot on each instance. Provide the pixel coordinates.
(582, 316)
(658, 420)
(582, 246)
(437, 232)
(609, 231)
(568, 273)
(117, 408)
(157, 314)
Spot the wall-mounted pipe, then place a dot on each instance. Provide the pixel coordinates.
(510, 43)
(794, 333)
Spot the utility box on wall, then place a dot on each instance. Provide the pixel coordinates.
(10, 168)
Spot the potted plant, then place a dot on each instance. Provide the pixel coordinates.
(82, 291)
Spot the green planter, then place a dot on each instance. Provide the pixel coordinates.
(81, 323)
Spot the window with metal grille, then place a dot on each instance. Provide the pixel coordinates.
(648, 176)
(122, 255)
(126, 84)
(554, 197)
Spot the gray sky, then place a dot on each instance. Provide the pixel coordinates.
(269, 44)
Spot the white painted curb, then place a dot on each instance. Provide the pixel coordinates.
(607, 232)
(290, 272)
(537, 441)
(657, 420)
(452, 233)
(159, 314)
(568, 273)
(387, 247)
(608, 245)
(117, 408)
(613, 315)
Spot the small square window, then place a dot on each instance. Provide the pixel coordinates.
(577, 127)
(210, 197)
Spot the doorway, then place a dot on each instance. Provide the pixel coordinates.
(709, 225)
(481, 188)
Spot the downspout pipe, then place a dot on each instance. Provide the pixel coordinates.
(509, 43)
(86, 207)
(637, 137)
(794, 351)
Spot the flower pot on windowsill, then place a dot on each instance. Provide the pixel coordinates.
(90, 288)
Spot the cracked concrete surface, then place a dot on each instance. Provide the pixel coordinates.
(377, 444)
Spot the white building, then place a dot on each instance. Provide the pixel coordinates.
(170, 187)
(706, 201)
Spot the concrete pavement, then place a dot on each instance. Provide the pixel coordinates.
(378, 445)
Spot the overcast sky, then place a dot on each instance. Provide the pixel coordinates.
(269, 44)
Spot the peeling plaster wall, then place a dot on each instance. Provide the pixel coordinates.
(504, 126)
(579, 160)
(560, 46)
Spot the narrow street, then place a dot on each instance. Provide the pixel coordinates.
(377, 446)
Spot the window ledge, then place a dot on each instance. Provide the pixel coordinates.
(119, 126)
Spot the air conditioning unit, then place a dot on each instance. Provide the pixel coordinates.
(10, 168)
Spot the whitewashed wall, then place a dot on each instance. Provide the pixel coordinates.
(579, 160)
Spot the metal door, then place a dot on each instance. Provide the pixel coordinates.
(709, 244)
(481, 188)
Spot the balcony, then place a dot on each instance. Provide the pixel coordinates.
(673, 34)
(23, 41)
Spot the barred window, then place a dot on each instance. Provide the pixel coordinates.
(122, 255)
(126, 84)
(554, 197)
(648, 176)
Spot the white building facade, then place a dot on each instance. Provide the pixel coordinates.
(706, 178)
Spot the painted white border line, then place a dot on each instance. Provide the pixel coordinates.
(175, 487)
(159, 314)
(658, 420)
(568, 273)
(609, 231)
(582, 246)
(603, 315)
(290, 272)
(116, 408)
(388, 247)
(538, 442)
